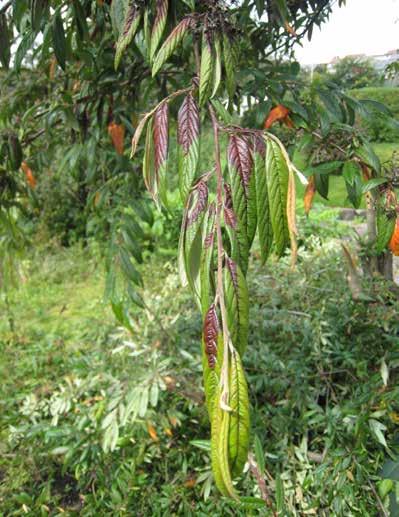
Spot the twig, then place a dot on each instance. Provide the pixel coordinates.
(379, 502)
(261, 482)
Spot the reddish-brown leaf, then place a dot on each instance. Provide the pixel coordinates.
(232, 267)
(161, 135)
(188, 123)
(309, 194)
(229, 214)
(239, 156)
(210, 333)
(278, 113)
(117, 134)
(199, 200)
(28, 174)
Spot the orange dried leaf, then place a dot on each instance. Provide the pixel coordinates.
(394, 242)
(190, 483)
(152, 433)
(117, 134)
(29, 175)
(277, 113)
(309, 194)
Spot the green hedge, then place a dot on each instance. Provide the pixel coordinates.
(379, 129)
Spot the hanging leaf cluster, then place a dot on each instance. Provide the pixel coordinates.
(222, 213)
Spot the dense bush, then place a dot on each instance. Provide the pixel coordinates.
(380, 129)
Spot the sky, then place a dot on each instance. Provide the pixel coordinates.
(361, 27)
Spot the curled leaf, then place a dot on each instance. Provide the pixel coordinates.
(309, 194)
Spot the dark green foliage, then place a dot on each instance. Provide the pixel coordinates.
(379, 128)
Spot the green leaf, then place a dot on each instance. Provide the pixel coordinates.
(385, 229)
(206, 69)
(265, 229)
(323, 168)
(188, 132)
(331, 103)
(240, 166)
(237, 304)
(373, 183)
(39, 10)
(206, 272)
(222, 112)
(217, 76)
(159, 26)
(59, 40)
(170, 44)
(277, 186)
(129, 270)
(259, 454)
(350, 171)
(390, 470)
(130, 26)
(368, 156)
(25, 44)
(322, 182)
(230, 63)
(239, 426)
(5, 41)
(204, 445)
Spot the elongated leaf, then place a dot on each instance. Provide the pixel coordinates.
(219, 449)
(129, 269)
(59, 40)
(38, 9)
(171, 43)
(265, 229)
(188, 129)
(230, 63)
(310, 192)
(149, 172)
(137, 134)
(230, 220)
(206, 273)
(252, 215)
(237, 304)
(130, 26)
(217, 75)
(161, 145)
(5, 41)
(206, 68)
(240, 169)
(322, 182)
(190, 244)
(368, 156)
(210, 335)
(277, 185)
(159, 26)
(239, 428)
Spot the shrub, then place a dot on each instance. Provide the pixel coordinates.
(380, 129)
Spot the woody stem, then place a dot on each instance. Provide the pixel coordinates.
(220, 252)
